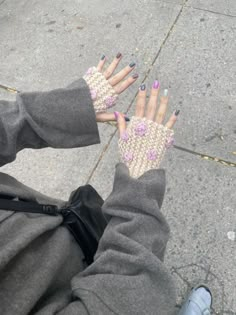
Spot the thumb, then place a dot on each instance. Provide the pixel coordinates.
(120, 122)
(105, 117)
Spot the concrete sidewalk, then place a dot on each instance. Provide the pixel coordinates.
(190, 47)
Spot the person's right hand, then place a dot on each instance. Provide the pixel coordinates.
(143, 143)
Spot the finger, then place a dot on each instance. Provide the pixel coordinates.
(141, 101)
(121, 123)
(161, 112)
(105, 117)
(122, 74)
(124, 85)
(152, 104)
(101, 63)
(170, 123)
(109, 71)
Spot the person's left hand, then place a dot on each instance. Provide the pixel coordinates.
(116, 83)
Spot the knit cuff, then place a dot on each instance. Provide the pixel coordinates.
(102, 93)
(143, 145)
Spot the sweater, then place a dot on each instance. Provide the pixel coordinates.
(42, 269)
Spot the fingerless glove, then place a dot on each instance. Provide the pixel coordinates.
(102, 93)
(143, 145)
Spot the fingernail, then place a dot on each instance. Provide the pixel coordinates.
(135, 76)
(165, 93)
(127, 118)
(103, 57)
(118, 55)
(177, 112)
(142, 87)
(132, 64)
(156, 84)
(116, 115)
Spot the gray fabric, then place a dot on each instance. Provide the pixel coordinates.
(41, 266)
(63, 118)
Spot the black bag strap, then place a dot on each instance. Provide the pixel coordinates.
(27, 206)
(82, 215)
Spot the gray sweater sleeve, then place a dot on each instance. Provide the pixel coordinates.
(62, 118)
(128, 275)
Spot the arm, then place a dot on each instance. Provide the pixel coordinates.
(62, 118)
(128, 275)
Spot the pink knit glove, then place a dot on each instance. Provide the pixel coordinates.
(102, 93)
(143, 145)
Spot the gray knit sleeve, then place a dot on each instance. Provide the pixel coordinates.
(128, 275)
(62, 118)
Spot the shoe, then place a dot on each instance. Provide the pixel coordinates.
(196, 304)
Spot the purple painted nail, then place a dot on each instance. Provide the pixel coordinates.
(156, 84)
(116, 115)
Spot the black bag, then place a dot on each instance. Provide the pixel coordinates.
(82, 215)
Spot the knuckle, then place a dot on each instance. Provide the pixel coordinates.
(160, 116)
(140, 106)
(164, 101)
(107, 73)
(154, 93)
(152, 105)
(141, 95)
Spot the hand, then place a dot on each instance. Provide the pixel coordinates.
(105, 87)
(144, 142)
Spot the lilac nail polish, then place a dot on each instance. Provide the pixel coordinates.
(156, 84)
(116, 115)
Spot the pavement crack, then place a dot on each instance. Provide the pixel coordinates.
(203, 156)
(206, 156)
(210, 11)
(8, 88)
(165, 39)
(133, 99)
(100, 158)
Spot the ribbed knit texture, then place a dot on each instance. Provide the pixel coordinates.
(102, 93)
(143, 145)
